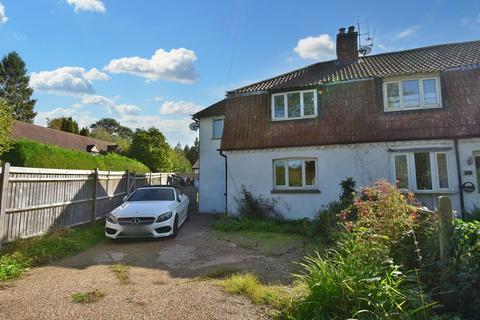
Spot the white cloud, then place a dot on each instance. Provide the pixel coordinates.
(410, 31)
(87, 5)
(127, 109)
(95, 74)
(3, 17)
(83, 118)
(110, 104)
(175, 65)
(317, 48)
(179, 107)
(66, 80)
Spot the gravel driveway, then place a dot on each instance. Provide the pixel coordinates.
(165, 280)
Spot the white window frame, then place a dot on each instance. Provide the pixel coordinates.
(213, 127)
(421, 94)
(412, 179)
(285, 105)
(286, 186)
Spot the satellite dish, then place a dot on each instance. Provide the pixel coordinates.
(194, 126)
(364, 50)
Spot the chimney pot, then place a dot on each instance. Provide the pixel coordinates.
(347, 45)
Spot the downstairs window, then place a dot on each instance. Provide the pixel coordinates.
(421, 171)
(295, 173)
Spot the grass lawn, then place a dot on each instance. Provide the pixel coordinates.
(19, 256)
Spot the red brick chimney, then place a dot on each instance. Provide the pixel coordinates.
(347, 45)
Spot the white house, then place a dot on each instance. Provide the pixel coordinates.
(411, 117)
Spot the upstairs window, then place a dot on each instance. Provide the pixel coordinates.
(295, 173)
(421, 171)
(294, 105)
(409, 94)
(217, 128)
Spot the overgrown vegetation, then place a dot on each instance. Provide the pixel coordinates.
(247, 284)
(88, 297)
(384, 265)
(121, 272)
(19, 256)
(26, 153)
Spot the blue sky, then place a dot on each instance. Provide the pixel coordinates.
(153, 63)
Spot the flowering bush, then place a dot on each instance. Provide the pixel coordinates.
(383, 210)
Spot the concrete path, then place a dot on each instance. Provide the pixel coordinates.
(164, 277)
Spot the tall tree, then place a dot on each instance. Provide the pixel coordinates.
(85, 132)
(193, 153)
(66, 124)
(113, 127)
(15, 88)
(6, 121)
(151, 148)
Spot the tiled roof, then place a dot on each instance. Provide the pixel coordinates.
(56, 137)
(419, 60)
(215, 109)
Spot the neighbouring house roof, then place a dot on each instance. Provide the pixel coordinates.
(419, 60)
(59, 138)
(216, 109)
(196, 165)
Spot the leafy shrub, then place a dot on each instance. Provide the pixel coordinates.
(253, 207)
(464, 267)
(301, 227)
(472, 215)
(357, 280)
(26, 153)
(326, 222)
(385, 211)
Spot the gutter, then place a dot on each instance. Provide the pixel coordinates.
(226, 179)
(460, 183)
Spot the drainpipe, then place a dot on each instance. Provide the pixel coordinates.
(459, 173)
(226, 179)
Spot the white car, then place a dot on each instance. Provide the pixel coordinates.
(154, 211)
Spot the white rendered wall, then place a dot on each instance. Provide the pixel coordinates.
(212, 171)
(467, 148)
(366, 163)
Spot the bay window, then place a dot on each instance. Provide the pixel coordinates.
(294, 173)
(414, 93)
(421, 171)
(294, 105)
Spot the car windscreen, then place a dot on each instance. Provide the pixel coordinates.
(154, 194)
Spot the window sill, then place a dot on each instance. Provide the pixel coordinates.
(295, 191)
(217, 138)
(412, 109)
(293, 119)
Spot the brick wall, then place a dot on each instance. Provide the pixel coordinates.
(353, 113)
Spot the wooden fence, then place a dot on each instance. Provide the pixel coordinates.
(35, 201)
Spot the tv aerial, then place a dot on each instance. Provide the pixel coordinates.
(366, 47)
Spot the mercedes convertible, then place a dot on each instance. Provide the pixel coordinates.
(154, 211)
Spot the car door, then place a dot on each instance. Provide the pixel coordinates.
(182, 204)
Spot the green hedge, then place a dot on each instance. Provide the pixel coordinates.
(26, 153)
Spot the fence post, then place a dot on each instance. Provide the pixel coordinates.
(94, 210)
(3, 199)
(134, 180)
(445, 223)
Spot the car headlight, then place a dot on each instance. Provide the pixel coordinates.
(164, 217)
(111, 218)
